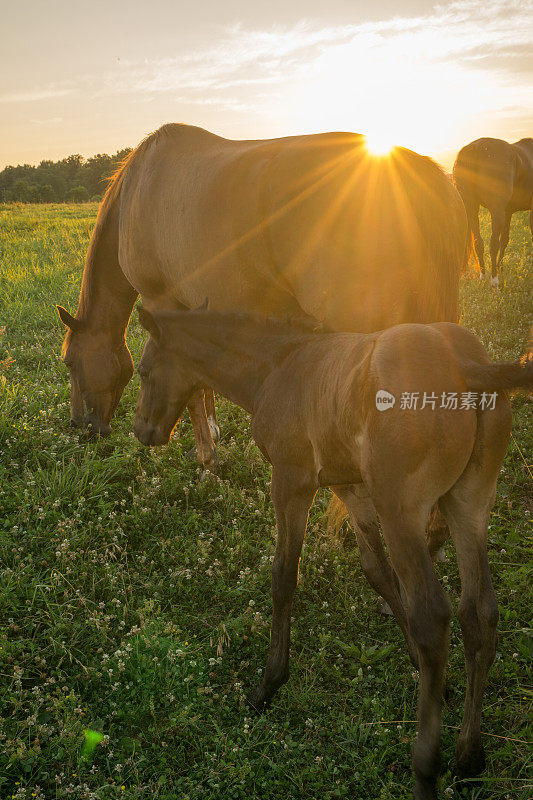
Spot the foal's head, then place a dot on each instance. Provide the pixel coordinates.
(100, 366)
(166, 388)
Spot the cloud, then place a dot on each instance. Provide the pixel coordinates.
(470, 57)
(515, 59)
(34, 95)
(47, 121)
(487, 34)
(494, 36)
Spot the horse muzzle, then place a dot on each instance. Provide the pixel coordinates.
(97, 427)
(148, 434)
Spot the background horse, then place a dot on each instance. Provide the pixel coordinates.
(499, 176)
(251, 224)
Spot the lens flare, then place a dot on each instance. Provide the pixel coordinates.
(378, 144)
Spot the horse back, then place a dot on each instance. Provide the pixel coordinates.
(367, 242)
(484, 172)
(306, 224)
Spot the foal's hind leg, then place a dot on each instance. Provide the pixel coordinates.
(428, 616)
(292, 494)
(374, 561)
(467, 507)
(478, 617)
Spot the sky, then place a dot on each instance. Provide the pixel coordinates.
(94, 77)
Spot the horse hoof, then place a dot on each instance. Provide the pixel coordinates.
(495, 283)
(258, 700)
(425, 789)
(469, 762)
(211, 464)
(101, 431)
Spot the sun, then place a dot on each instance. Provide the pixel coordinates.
(378, 144)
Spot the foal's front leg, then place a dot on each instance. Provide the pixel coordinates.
(292, 492)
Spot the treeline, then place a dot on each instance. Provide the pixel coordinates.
(71, 180)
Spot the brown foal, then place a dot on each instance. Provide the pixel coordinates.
(315, 417)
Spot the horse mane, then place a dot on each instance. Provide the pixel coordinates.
(429, 190)
(104, 227)
(279, 326)
(116, 179)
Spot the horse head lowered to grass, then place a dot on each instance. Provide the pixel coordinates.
(387, 420)
(100, 366)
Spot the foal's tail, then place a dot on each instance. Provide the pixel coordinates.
(507, 375)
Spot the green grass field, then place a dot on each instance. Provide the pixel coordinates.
(135, 599)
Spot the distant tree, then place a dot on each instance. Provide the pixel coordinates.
(77, 194)
(73, 164)
(61, 187)
(46, 193)
(95, 172)
(73, 179)
(22, 191)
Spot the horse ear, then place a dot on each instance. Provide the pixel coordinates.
(149, 324)
(68, 320)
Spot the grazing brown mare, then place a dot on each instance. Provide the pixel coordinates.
(499, 176)
(250, 224)
(315, 419)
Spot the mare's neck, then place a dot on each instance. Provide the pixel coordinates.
(106, 307)
(106, 298)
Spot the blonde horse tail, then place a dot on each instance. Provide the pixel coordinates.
(336, 513)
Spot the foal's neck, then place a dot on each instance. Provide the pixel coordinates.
(232, 353)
